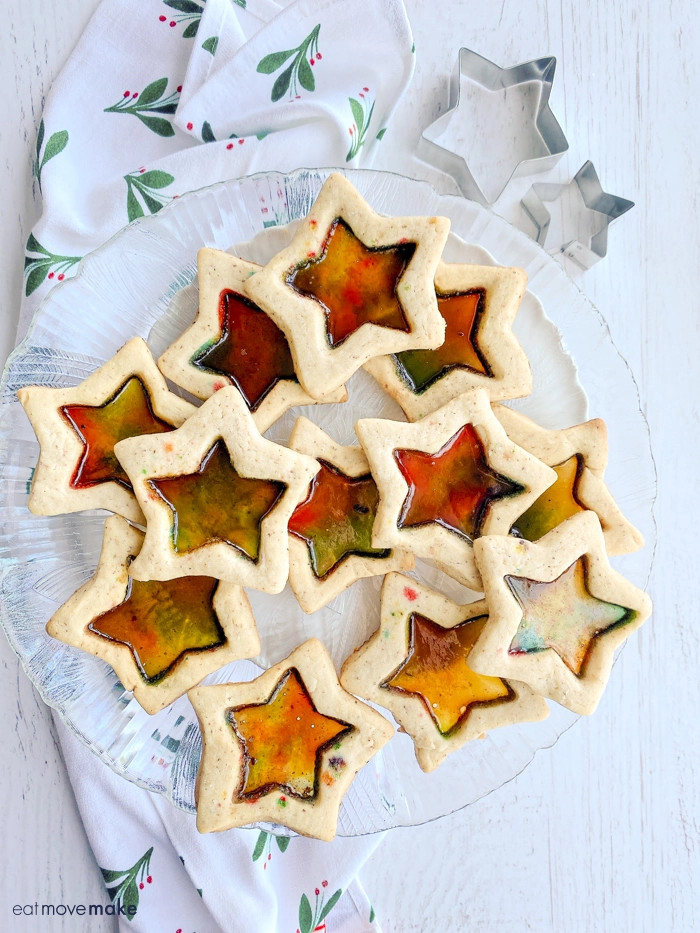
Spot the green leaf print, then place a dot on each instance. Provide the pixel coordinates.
(311, 919)
(57, 142)
(45, 265)
(150, 101)
(380, 134)
(260, 845)
(283, 842)
(210, 44)
(147, 185)
(362, 117)
(187, 11)
(299, 72)
(126, 892)
(207, 133)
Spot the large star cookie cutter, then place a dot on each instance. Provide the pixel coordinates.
(526, 120)
(586, 212)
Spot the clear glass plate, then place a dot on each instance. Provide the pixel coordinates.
(137, 283)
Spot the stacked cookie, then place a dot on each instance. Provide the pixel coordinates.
(504, 506)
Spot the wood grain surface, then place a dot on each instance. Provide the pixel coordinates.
(600, 834)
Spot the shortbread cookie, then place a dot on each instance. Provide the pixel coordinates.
(78, 427)
(416, 665)
(330, 541)
(217, 497)
(479, 305)
(352, 285)
(233, 342)
(447, 479)
(579, 456)
(557, 611)
(160, 638)
(284, 747)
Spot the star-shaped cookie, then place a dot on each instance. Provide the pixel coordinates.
(233, 342)
(579, 456)
(416, 665)
(352, 285)
(217, 497)
(160, 638)
(479, 305)
(330, 540)
(447, 479)
(557, 611)
(77, 429)
(284, 747)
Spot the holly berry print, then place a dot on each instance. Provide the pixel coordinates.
(126, 891)
(362, 117)
(187, 11)
(57, 142)
(299, 72)
(143, 189)
(150, 101)
(263, 845)
(44, 265)
(315, 919)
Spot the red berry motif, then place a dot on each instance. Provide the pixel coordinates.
(317, 892)
(51, 274)
(365, 89)
(179, 88)
(230, 146)
(319, 56)
(61, 277)
(172, 23)
(241, 141)
(135, 94)
(312, 61)
(325, 884)
(162, 18)
(189, 126)
(127, 93)
(141, 885)
(149, 879)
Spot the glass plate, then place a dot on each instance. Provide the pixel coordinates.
(137, 283)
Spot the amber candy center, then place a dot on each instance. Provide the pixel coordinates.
(453, 487)
(354, 283)
(161, 621)
(436, 670)
(217, 504)
(284, 740)
(128, 413)
(462, 312)
(251, 350)
(555, 505)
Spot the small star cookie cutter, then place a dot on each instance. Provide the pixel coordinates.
(529, 123)
(586, 223)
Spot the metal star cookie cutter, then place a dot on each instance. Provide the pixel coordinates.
(531, 125)
(588, 222)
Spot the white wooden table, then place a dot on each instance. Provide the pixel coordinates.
(601, 832)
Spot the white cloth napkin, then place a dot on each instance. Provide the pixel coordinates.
(161, 97)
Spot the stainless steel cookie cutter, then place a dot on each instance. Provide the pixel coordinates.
(587, 226)
(546, 143)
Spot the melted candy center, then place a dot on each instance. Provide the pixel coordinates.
(453, 487)
(217, 504)
(336, 518)
(127, 413)
(563, 615)
(161, 621)
(283, 741)
(355, 284)
(555, 505)
(436, 670)
(251, 350)
(462, 313)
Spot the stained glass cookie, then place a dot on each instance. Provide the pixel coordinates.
(352, 285)
(284, 747)
(416, 665)
(233, 342)
(217, 497)
(579, 456)
(78, 427)
(161, 638)
(480, 350)
(557, 611)
(447, 479)
(330, 540)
